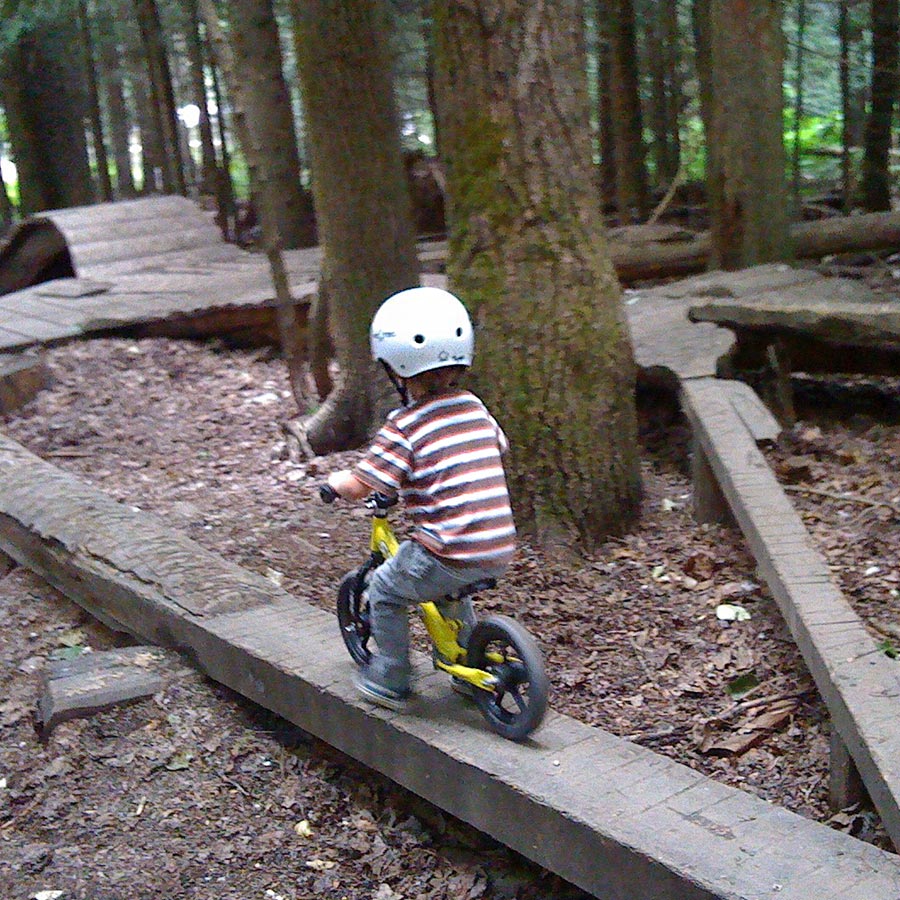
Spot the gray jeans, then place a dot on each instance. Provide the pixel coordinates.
(413, 576)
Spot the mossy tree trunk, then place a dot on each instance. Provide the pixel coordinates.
(529, 256)
(876, 177)
(363, 208)
(746, 179)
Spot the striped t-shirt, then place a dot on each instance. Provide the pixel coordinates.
(442, 455)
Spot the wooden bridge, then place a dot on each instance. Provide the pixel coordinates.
(612, 817)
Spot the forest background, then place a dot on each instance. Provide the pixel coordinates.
(520, 129)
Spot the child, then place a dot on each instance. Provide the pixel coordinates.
(441, 452)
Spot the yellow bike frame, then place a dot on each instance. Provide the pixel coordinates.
(444, 633)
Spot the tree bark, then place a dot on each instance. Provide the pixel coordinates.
(362, 200)
(208, 166)
(93, 92)
(606, 136)
(44, 104)
(876, 178)
(227, 216)
(666, 95)
(255, 39)
(843, 28)
(289, 327)
(528, 254)
(798, 102)
(113, 76)
(162, 94)
(627, 118)
(746, 177)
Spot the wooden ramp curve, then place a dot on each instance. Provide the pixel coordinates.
(612, 817)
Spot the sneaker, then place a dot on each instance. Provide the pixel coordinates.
(463, 688)
(381, 695)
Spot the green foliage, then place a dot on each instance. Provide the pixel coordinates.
(20, 17)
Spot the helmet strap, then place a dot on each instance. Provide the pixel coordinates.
(397, 382)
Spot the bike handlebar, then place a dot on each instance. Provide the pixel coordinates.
(327, 494)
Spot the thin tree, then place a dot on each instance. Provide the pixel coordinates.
(161, 93)
(254, 37)
(195, 51)
(529, 255)
(843, 29)
(362, 200)
(113, 78)
(627, 117)
(93, 95)
(798, 99)
(876, 178)
(264, 189)
(45, 114)
(746, 180)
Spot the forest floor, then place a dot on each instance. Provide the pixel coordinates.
(196, 793)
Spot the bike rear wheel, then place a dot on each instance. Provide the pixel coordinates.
(353, 614)
(504, 648)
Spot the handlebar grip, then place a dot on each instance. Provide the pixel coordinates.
(327, 493)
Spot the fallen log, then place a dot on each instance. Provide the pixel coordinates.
(678, 252)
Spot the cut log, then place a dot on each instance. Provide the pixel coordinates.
(34, 252)
(22, 376)
(640, 260)
(94, 682)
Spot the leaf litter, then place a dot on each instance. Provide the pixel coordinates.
(631, 637)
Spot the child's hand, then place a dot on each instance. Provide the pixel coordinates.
(348, 485)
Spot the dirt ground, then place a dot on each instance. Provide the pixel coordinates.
(197, 794)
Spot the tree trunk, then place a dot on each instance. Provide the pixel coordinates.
(798, 103)
(289, 329)
(844, 76)
(628, 129)
(96, 119)
(362, 200)
(113, 76)
(528, 254)
(876, 178)
(666, 95)
(45, 109)
(605, 87)
(746, 177)
(257, 52)
(208, 167)
(161, 94)
(227, 217)
(7, 210)
(701, 26)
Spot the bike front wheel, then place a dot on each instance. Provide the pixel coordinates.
(516, 706)
(353, 614)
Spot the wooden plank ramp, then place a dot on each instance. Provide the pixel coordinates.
(859, 684)
(616, 819)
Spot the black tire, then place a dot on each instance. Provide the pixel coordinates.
(516, 707)
(353, 614)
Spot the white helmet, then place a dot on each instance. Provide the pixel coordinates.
(422, 328)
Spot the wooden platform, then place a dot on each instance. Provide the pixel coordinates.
(859, 684)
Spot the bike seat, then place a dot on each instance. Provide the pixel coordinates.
(467, 590)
